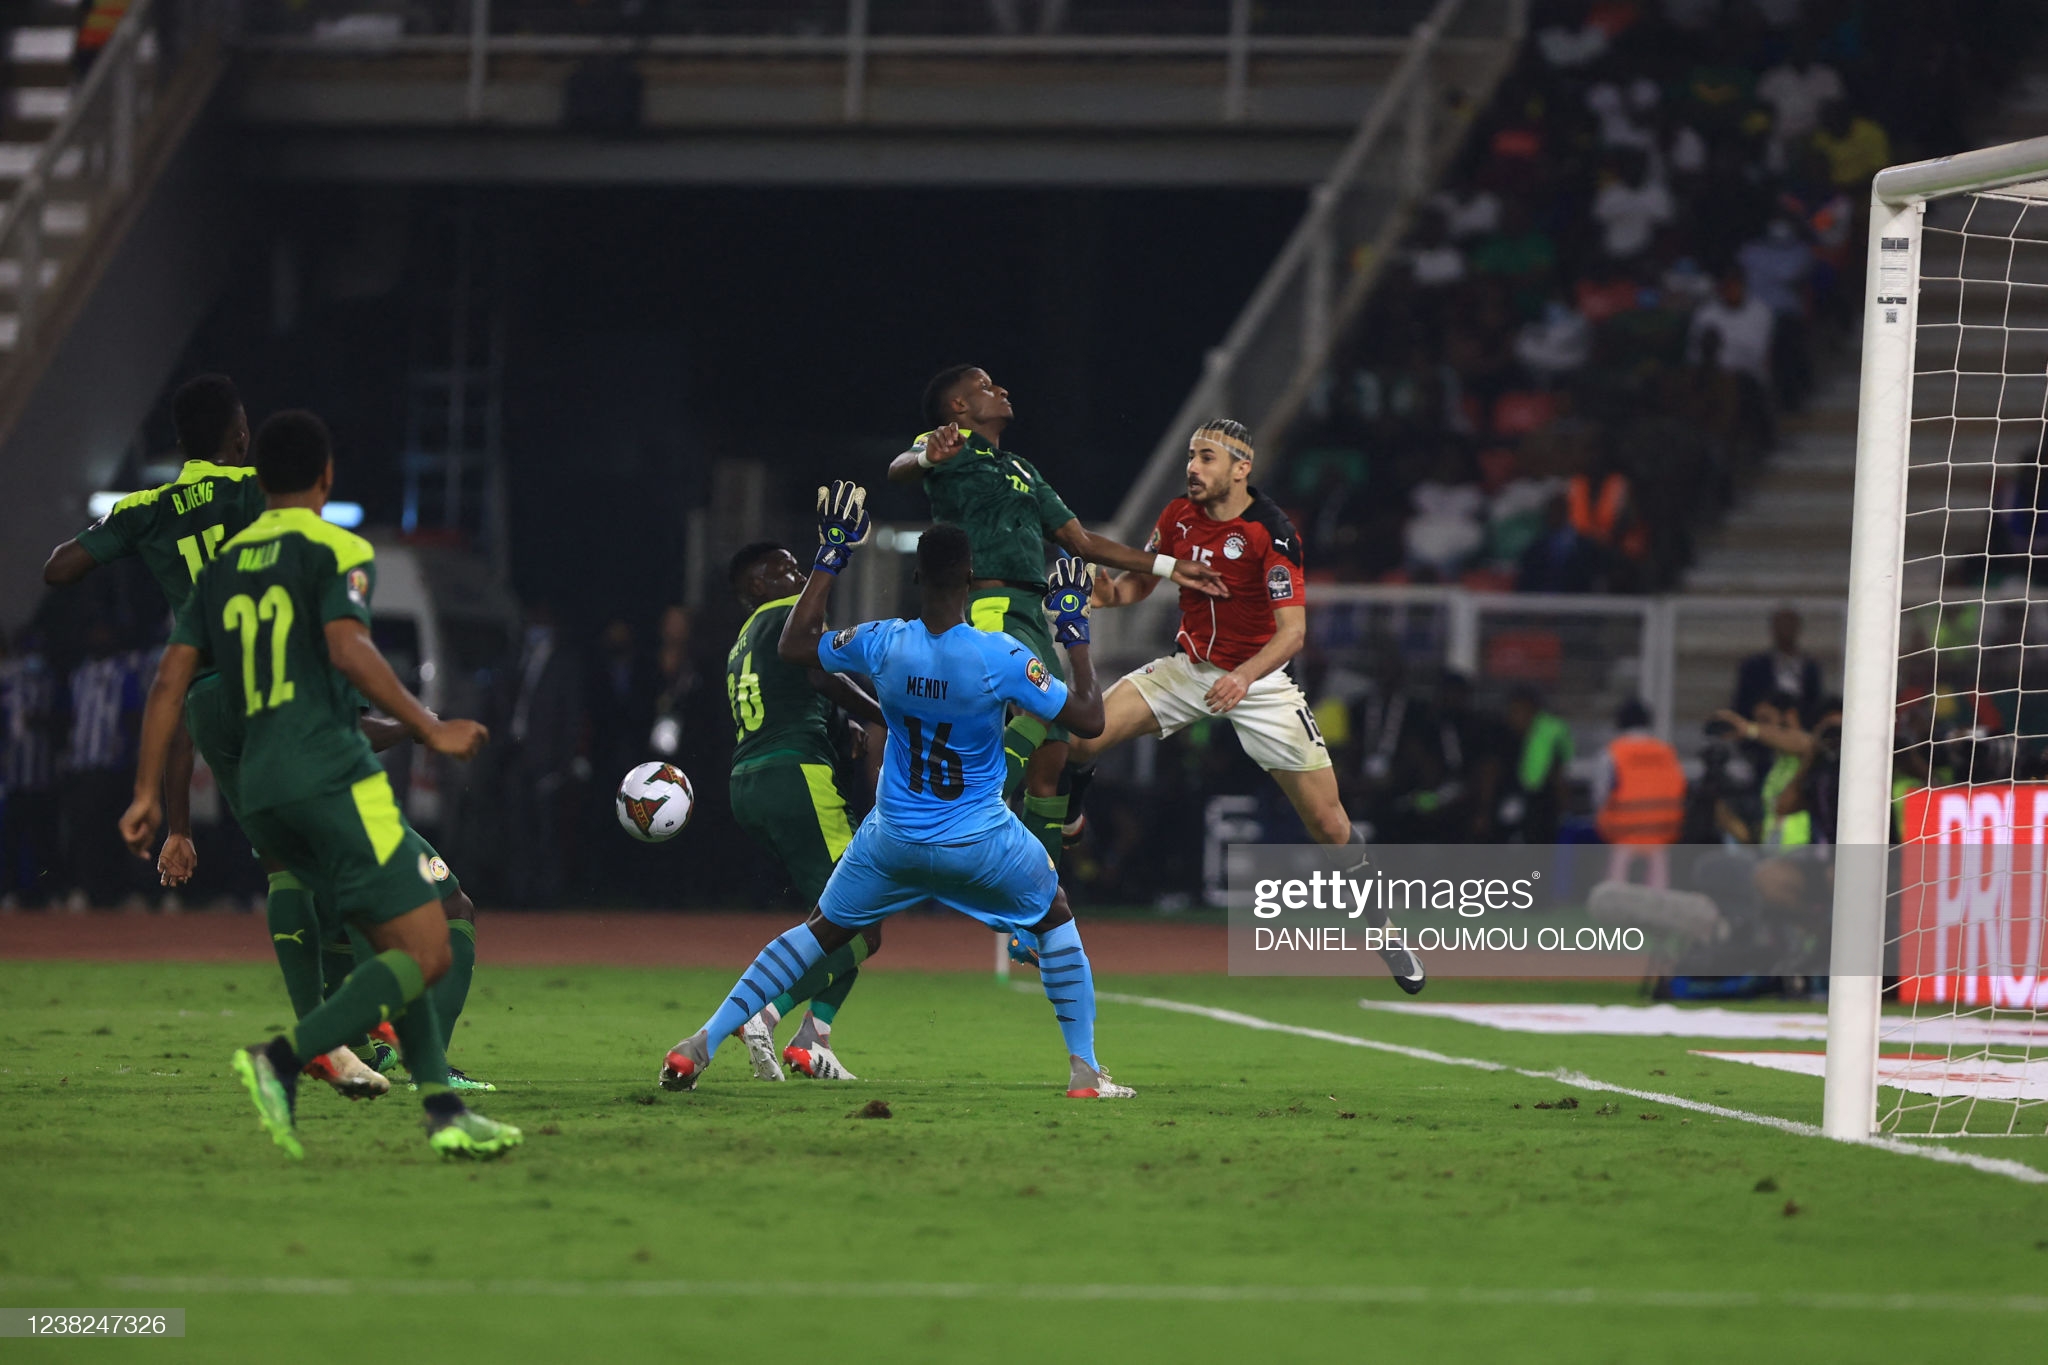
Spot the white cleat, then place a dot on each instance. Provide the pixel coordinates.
(817, 1062)
(1085, 1082)
(760, 1041)
(346, 1072)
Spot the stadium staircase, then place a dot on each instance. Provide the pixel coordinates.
(113, 241)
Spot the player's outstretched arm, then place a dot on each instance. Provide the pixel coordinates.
(843, 523)
(351, 651)
(67, 564)
(930, 450)
(1077, 539)
(163, 715)
(1067, 594)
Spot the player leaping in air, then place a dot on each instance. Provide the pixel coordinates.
(1230, 656)
(783, 793)
(1009, 512)
(939, 830)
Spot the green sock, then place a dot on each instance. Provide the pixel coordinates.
(840, 962)
(1021, 738)
(296, 938)
(419, 1039)
(453, 989)
(825, 1004)
(1043, 816)
(378, 990)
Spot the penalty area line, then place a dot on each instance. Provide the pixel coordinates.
(1338, 1294)
(2012, 1170)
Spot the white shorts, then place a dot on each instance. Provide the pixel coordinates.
(1273, 722)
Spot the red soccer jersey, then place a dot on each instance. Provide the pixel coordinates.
(1259, 556)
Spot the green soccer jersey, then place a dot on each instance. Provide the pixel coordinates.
(777, 715)
(1007, 509)
(259, 614)
(177, 528)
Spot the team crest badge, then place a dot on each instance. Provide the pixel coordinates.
(843, 638)
(1035, 671)
(1233, 548)
(1279, 583)
(359, 587)
(642, 809)
(439, 868)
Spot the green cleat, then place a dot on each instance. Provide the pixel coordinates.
(458, 1081)
(381, 1058)
(468, 1133)
(272, 1094)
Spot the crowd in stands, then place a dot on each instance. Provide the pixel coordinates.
(1652, 237)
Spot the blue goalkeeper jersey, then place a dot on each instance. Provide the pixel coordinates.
(945, 698)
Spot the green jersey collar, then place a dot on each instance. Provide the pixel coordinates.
(195, 470)
(349, 548)
(748, 624)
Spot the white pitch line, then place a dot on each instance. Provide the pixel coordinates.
(2014, 1170)
(372, 1290)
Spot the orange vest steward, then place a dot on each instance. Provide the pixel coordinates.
(1597, 522)
(100, 22)
(1647, 805)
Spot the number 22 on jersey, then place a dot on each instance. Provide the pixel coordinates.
(245, 614)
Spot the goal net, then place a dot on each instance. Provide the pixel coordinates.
(1945, 733)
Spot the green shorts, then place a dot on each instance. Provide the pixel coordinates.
(794, 810)
(1021, 615)
(354, 846)
(217, 735)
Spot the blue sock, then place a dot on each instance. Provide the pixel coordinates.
(1070, 984)
(774, 971)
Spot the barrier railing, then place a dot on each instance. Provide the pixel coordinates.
(88, 168)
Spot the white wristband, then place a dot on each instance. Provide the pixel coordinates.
(924, 459)
(1162, 566)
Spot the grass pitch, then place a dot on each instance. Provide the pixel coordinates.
(1267, 1196)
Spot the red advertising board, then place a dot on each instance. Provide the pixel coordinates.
(1973, 902)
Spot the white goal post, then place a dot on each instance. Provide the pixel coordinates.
(1992, 391)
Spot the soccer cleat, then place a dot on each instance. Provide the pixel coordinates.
(1407, 969)
(468, 1133)
(685, 1063)
(346, 1072)
(458, 1081)
(760, 1041)
(1025, 953)
(816, 1061)
(1072, 832)
(1085, 1082)
(381, 1053)
(272, 1094)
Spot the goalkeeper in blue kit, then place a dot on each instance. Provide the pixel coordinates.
(939, 829)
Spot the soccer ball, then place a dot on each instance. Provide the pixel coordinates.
(654, 802)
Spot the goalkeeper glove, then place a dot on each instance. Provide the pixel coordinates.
(1066, 600)
(843, 522)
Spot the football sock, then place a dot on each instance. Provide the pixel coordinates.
(1044, 816)
(341, 952)
(1021, 738)
(453, 989)
(296, 938)
(419, 1040)
(1070, 985)
(380, 989)
(839, 964)
(777, 968)
(825, 1004)
(1078, 779)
